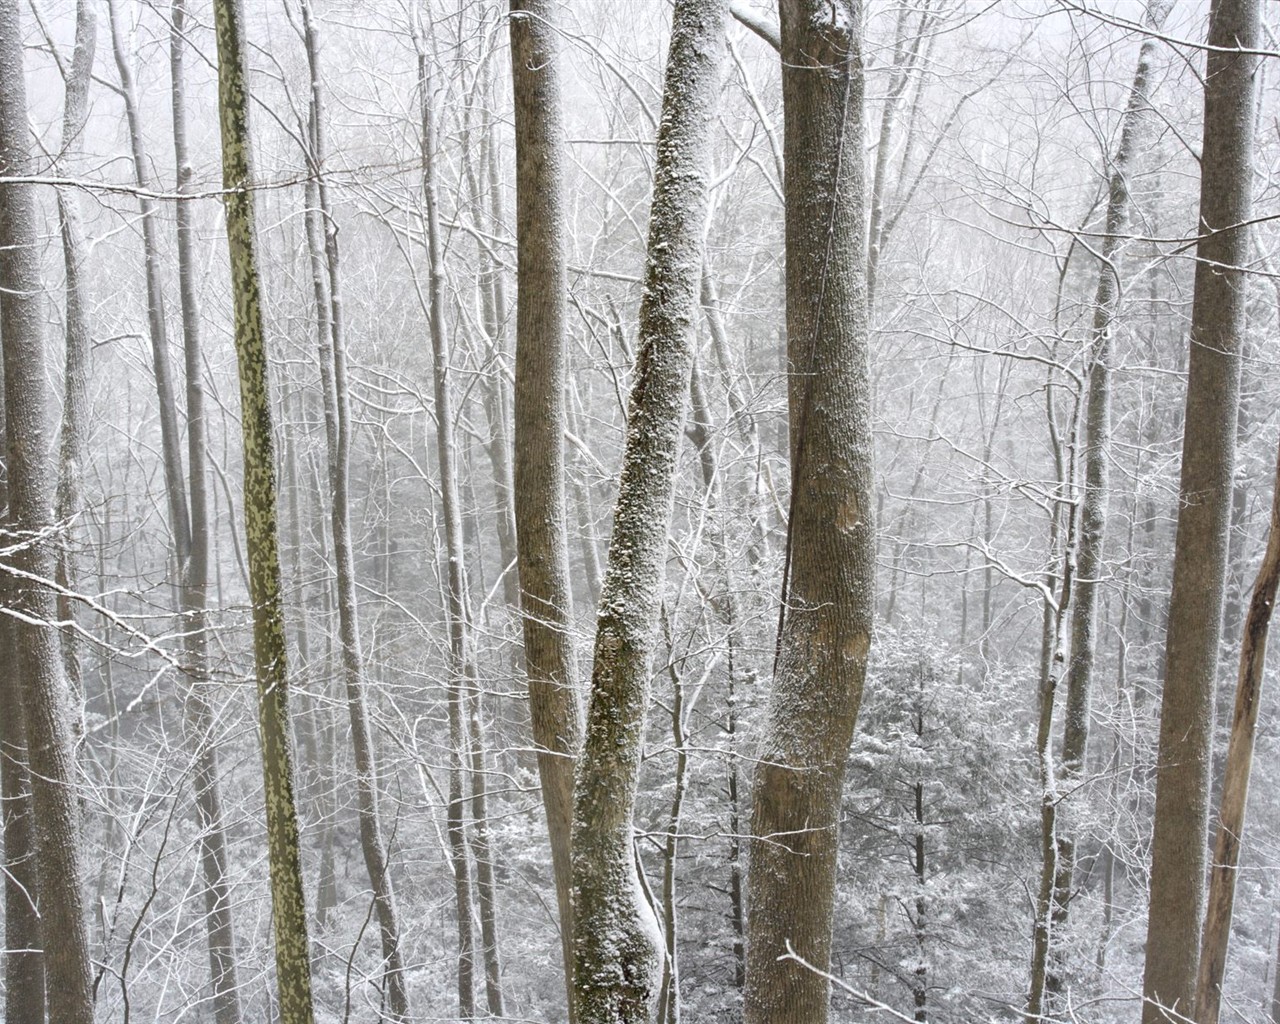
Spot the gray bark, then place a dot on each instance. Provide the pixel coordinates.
(1200, 548)
(32, 476)
(617, 945)
(540, 420)
(828, 576)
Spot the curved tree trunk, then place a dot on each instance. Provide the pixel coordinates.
(32, 476)
(1178, 848)
(617, 945)
(828, 583)
(293, 975)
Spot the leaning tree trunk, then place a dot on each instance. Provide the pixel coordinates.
(616, 943)
(828, 577)
(194, 594)
(455, 555)
(337, 412)
(32, 475)
(293, 975)
(1235, 786)
(540, 415)
(1178, 847)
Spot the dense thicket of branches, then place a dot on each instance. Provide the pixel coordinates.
(452, 210)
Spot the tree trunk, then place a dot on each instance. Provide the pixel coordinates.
(459, 652)
(170, 438)
(1235, 786)
(195, 581)
(1204, 509)
(540, 421)
(73, 444)
(828, 577)
(32, 476)
(337, 413)
(617, 945)
(293, 976)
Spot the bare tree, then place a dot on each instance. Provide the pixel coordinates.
(617, 946)
(1200, 549)
(828, 574)
(293, 973)
(29, 566)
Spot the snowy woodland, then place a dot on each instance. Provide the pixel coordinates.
(639, 511)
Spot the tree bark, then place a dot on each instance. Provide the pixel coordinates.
(194, 593)
(1200, 548)
(540, 423)
(32, 476)
(617, 945)
(459, 652)
(293, 976)
(337, 413)
(828, 577)
(1235, 786)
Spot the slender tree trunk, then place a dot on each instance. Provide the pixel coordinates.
(1090, 558)
(617, 945)
(194, 594)
(32, 479)
(74, 438)
(828, 577)
(293, 976)
(1235, 787)
(1204, 509)
(170, 438)
(333, 375)
(540, 422)
(459, 653)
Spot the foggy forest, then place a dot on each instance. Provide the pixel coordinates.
(639, 511)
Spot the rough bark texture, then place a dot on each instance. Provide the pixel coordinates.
(31, 484)
(451, 509)
(194, 594)
(1200, 548)
(293, 976)
(828, 585)
(1235, 785)
(617, 945)
(541, 525)
(337, 412)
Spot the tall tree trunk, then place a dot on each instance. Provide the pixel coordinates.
(540, 423)
(194, 594)
(1235, 786)
(828, 577)
(1090, 556)
(73, 445)
(617, 945)
(170, 439)
(337, 412)
(32, 478)
(1204, 509)
(446, 454)
(23, 959)
(293, 975)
